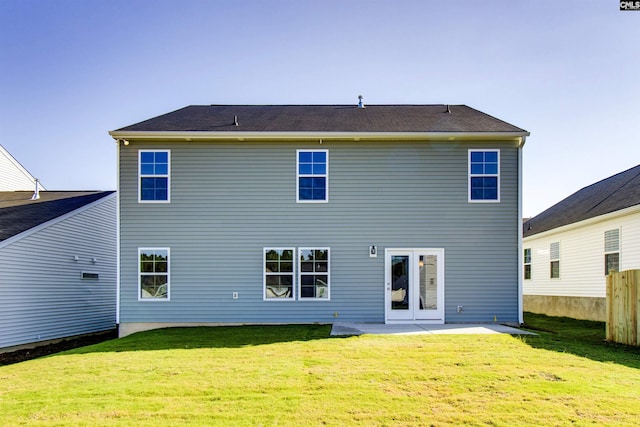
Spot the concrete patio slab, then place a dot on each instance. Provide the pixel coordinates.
(348, 328)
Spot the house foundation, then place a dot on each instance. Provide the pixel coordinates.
(583, 308)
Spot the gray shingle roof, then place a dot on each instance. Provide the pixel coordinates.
(19, 213)
(324, 118)
(617, 192)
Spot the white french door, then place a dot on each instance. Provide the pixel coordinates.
(414, 285)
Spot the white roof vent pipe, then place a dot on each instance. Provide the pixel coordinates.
(36, 193)
(360, 102)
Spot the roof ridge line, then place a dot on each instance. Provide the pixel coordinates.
(620, 187)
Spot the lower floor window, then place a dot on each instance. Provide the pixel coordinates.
(555, 269)
(314, 273)
(281, 271)
(611, 262)
(153, 273)
(278, 273)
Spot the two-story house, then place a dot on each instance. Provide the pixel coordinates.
(239, 214)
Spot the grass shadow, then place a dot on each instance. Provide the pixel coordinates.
(209, 337)
(580, 337)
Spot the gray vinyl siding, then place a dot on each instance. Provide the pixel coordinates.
(230, 200)
(42, 294)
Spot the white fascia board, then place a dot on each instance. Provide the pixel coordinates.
(53, 221)
(351, 136)
(601, 218)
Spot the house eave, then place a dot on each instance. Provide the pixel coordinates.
(189, 136)
(597, 219)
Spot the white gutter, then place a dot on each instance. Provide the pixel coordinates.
(355, 136)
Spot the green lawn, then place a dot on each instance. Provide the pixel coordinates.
(299, 376)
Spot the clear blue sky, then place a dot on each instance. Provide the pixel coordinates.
(568, 72)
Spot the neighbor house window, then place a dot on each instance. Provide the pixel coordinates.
(90, 276)
(484, 175)
(154, 273)
(154, 175)
(314, 273)
(312, 176)
(527, 263)
(554, 256)
(611, 251)
(278, 273)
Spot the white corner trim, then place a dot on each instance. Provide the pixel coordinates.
(54, 221)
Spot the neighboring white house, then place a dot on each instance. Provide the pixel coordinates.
(570, 247)
(14, 177)
(57, 260)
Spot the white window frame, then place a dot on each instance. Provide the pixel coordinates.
(554, 259)
(325, 175)
(168, 274)
(167, 175)
(265, 274)
(314, 273)
(609, 251)
(525, 263)
(470, 175)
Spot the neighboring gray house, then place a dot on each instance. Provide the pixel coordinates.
(57, 265)
(570, 247)
(235, 214)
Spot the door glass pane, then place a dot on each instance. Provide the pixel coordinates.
(428, 282)
(400, 282)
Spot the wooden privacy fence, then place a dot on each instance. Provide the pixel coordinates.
(623, 307)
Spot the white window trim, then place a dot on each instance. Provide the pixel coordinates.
(554, 259)
(300, 274)
(525, 263)
(168, 298)
(264, 274)
(617, 251)
(326, 176)
(168, 176)
(469, 175)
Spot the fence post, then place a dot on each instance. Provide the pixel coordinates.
(623, 307)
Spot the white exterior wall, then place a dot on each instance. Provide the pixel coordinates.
(582, 255)
(13, 177)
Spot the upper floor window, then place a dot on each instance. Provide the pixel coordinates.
(312, 175)
(611, 251)
(154, 175)
(527, 263)
(484, 175)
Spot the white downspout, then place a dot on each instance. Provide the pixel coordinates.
(118, 233)
(520, 248)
